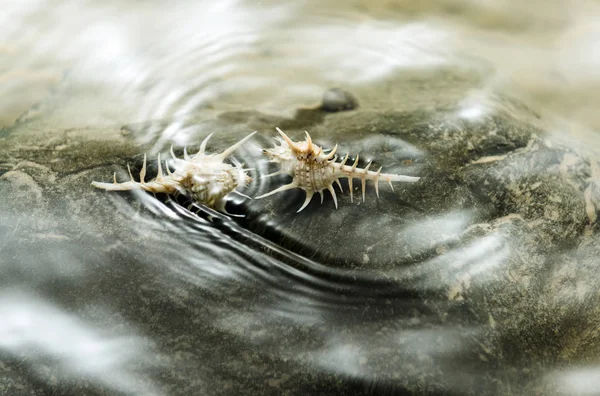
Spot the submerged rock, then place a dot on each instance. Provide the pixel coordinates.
(478, 279)
(337, 99)
(499, 235)
(471, 173)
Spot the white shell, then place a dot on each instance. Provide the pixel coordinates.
(203, 177)
(314, 171)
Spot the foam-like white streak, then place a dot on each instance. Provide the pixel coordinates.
(577, 381)
(41, 331)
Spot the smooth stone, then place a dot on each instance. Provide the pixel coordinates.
(337, 99)
(495, 246)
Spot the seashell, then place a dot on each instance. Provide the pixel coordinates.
(205, 178)
(314, 171)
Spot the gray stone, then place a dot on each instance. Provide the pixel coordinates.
(337, 99)
(479, 279)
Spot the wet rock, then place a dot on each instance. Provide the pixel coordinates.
(24, 190)
(501, 224)
(489, 262)
(471, 172)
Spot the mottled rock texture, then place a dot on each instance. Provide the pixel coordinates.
(479, 279)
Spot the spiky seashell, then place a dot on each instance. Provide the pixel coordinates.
(314, 171)
(205, 178)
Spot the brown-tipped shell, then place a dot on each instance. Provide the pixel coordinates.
(313, 171)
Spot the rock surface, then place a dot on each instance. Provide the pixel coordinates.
(480, 279)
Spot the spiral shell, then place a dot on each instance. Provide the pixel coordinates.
(314, 171)
(205, 178)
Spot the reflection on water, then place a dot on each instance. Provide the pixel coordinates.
(421, 290)
(58, 347)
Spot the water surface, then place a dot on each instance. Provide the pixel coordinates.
(446, 286)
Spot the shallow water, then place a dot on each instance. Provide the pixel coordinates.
(445, 286)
